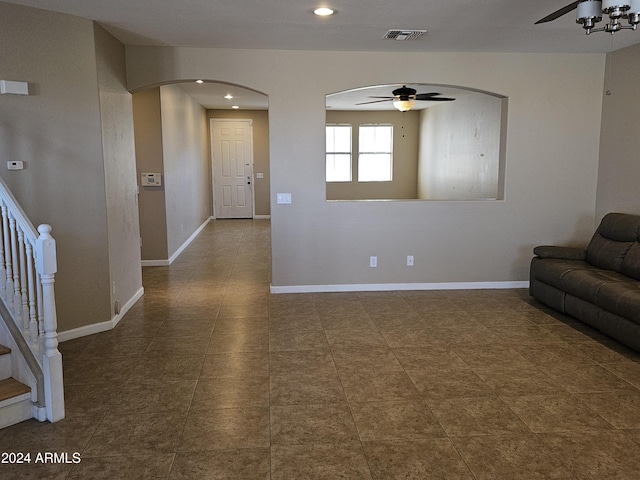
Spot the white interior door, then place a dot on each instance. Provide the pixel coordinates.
(232, 151)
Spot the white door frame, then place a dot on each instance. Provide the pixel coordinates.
(212, 121)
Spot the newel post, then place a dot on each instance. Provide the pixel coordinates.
(46, 266)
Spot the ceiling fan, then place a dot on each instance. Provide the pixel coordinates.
(405, 98)
(591, 12)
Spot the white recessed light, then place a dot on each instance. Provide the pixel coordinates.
(199, 81)
(228, 96)
(235, 107)
(324, 11)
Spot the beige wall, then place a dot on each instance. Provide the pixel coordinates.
(405, 157)
(260, 120)
(149, 159)
(460, 149)
(187, 174)
(551, 162)
(57, 132)
(619, 170)
(171, 139)
(123, 226)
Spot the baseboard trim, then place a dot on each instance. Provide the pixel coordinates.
(382, 287)
(262, 217)
(102, 326)
(170, 260)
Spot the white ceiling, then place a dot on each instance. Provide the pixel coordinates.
(358, 25)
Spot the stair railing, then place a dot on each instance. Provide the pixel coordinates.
(28, 265)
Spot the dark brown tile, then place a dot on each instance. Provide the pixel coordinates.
(319, 462)
(441, 383)
(382, 421)
(556, 413)
(290, 389)
(302, 362)
(280, 340)
(517, 380)
(155, 397)
(154, 369)
(145, 434)
(585, 378)
(330, 423)
(596, 456)
(143, 467)
(513, 457)
(374, 358)
(427, 458)
(238, 464)
(477, 416)
(433, 357)
(620, 408)
(231, 392)
(354, 338)
(240, 364)
(378, 386)
(238, 342)
(225, 429)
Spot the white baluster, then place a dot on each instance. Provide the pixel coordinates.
(8, 288)
(24, 311)
(33, 319)
(3, 269)
(46, 266)
(17, 302)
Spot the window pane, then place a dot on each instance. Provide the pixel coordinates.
(338, 167)
(338, 154)
(374, 167)
(375, 160)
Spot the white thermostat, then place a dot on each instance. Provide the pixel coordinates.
(151, 179)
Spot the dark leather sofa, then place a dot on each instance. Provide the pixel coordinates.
(600, 285)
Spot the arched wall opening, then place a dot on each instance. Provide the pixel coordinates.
(172, 125)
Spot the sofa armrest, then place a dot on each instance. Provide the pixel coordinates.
(563, 253)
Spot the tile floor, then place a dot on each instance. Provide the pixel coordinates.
(211, 377)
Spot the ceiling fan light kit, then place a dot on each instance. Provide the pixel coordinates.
(404, 98)
(590, 12)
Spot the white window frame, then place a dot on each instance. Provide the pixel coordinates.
(334, 153)
(362, 153)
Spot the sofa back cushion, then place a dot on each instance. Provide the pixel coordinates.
(612, 241)
(631, 262)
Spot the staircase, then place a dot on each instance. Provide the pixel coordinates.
(31, 382)
(15, 397)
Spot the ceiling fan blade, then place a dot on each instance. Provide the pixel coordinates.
(559, 13)
(437, 99)
(426, 96)
(386, 99)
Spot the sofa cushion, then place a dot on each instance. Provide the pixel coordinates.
(551, 271)
(621, 298)
(586, 284)
(613, 239)
(631, 262)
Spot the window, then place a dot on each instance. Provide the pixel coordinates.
(338, 152)
(375, 159)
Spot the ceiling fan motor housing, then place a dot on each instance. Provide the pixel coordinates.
(404, 93)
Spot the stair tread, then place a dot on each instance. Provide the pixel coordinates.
(10, 387)
(4, 350)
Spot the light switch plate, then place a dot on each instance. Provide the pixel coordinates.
(283, 198)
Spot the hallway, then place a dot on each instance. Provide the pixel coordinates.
(211, 377)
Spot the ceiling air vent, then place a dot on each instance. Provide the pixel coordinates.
(403, 34)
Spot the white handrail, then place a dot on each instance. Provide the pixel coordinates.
(28, 265)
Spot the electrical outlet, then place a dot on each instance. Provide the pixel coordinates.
(373, 262)
(409, 260)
